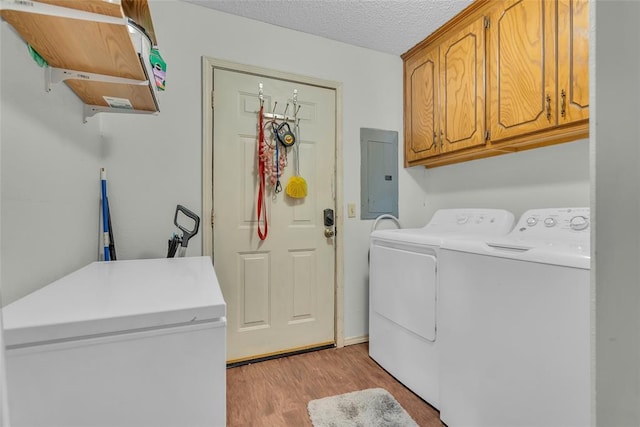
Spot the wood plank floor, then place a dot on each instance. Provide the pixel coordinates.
(275, 393)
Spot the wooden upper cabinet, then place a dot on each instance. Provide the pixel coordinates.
(462, 88)
(522, 68)
(501, 76)
(573, 60)
(421, 80)
(444, 95)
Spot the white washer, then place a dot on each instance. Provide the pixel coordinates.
(515, 336)
(124, 343)
(403, 289)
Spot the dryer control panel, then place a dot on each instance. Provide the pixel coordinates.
(471, 221)
(554, 223)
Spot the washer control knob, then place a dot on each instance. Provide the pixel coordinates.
(462, 219)
(531, 221)
(549, 222)
(579, 223)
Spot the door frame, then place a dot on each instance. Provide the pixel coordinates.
(209, 64)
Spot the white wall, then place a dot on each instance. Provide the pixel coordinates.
(555, 176)
(617, 212)
(49, 176)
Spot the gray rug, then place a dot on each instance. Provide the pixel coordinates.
(374, 407)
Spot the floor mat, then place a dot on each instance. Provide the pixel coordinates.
(373, 407)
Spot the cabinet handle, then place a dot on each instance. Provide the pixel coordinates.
(441, 137)
(548, 107)
(563, 108)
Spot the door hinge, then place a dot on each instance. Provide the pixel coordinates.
(213, 216)
(213, 99)
(487, 136)
(487, 22)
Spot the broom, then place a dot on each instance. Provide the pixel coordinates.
(296, 186)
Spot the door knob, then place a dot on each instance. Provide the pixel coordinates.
(329, 232)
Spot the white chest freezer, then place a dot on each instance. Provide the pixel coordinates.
(124, 343)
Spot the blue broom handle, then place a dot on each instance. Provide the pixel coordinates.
(105, 214)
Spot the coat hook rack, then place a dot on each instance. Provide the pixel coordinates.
(272, 115)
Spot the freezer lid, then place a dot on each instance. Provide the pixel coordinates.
(117, 297)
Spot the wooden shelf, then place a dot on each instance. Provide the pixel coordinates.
(92, 36)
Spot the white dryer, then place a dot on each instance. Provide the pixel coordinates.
(120, 344)
(515, 336)
(403, 293)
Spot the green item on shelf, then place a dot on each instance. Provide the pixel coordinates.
(159, 68)
(36, 57)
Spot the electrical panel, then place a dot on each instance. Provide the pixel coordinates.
(378, 173)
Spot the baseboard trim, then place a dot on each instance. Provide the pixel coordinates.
(356, 340)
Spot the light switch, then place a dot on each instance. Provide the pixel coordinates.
(351, 210)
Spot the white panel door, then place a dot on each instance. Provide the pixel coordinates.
(279, 291)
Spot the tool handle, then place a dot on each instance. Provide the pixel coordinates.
(187, 234)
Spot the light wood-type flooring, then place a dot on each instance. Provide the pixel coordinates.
(275, 393)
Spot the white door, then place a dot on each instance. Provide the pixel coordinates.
(279, 291)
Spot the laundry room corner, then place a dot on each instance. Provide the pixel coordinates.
(463, 233)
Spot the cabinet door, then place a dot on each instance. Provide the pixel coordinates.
(573, 60)
(462, 89)
(421, 105)
(521, 68)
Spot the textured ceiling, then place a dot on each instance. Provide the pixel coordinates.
(391, 26)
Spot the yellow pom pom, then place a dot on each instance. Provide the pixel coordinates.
(296, 187)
